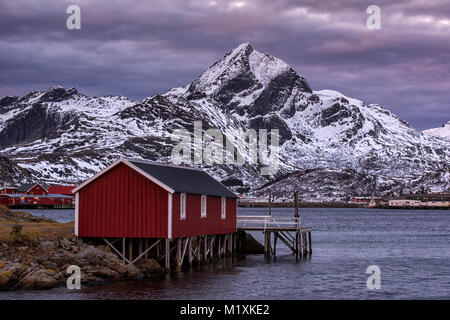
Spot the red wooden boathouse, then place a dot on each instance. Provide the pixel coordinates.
(134, 200)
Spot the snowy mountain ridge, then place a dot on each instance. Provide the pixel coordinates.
(342, 144)
(443, 132)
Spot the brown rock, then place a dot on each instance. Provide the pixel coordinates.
(10, 273)
(38, 279)
(150, 267)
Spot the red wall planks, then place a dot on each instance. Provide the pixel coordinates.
(122, 203)
(194, 224)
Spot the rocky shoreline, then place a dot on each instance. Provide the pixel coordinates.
(43, 264)
(35, 253)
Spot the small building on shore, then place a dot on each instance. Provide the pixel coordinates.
(31, 189)
(27, 200)
(181, 211)
(8, 190)
(140, 199)
(421, 200)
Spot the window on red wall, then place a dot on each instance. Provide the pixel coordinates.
(224, 208)
(203, 207)
(183, 206)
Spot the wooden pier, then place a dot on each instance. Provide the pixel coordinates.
(287, 229)
(177, 252)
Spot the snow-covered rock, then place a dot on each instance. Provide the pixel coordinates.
(443, 132)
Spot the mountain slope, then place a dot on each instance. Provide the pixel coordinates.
(62, 135)
(443, 132)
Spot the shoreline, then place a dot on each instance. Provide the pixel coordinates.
(35, 254)
(330, 205)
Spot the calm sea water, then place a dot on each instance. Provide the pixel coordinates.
(411, 247)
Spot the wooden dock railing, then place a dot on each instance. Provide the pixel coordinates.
(287, 229)
(268, 223)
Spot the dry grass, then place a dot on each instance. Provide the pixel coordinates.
(32, 227)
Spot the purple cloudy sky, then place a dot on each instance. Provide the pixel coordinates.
(137, 48)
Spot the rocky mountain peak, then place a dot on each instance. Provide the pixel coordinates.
(249, 82)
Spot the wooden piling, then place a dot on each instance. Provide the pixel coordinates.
(179, 254)
(190, 251)
(310, 246)
(130, 249)
(211, 249)
(270, 203)
(167, 255)
(296, 215)
(123, 250)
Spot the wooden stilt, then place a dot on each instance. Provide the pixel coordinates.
(305, 250)
(275, 238)
(270, 203)
(235, 242)
(266, 243)
(167, 252)
(140, 247)
(117, 251)
(190, 251)
(178, 268)
(199, 256)
(123, 250)
(225, 245)
(158, 251)
(205, 249)
(211, 249)
(146, 247)
(310, 245)
(130, 249)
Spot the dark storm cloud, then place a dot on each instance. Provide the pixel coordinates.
(139, 48)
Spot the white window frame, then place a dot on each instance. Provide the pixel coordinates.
(203, 206)
(223, 206)
(182, 206)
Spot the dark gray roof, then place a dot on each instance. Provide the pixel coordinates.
(184, 179)
(26, 187)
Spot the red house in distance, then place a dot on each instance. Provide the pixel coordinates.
(135, 200)
(31, 189)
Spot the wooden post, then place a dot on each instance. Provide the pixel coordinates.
(225, 245)
(310, 246)
(211, 249)
(178, 255)
(130, 249)
(205, 245)
(123, 250)
(275, 238)
(167, 252)
(305, 252)
(140, 247)
(296, 203)
(199, 241)
(230, 246)
(266, 243)
(190, 251)
(146, 247)
(296, 245)
(270, 203)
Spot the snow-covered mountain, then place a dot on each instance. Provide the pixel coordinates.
(329, 142)
(443, 132)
